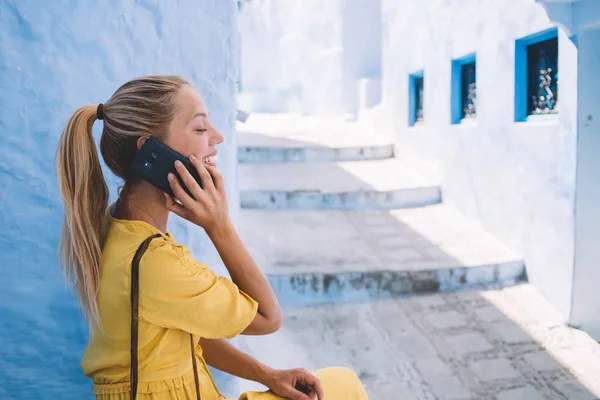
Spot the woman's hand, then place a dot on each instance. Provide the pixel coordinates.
(295, 384)
(208, 208)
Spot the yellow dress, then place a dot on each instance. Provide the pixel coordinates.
(177, 296)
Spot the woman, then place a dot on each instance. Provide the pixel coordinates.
(186, 312)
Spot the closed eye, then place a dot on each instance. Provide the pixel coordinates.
(201, 130)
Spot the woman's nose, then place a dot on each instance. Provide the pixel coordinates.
(217, 137)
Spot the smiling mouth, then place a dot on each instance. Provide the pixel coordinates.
(210, 159)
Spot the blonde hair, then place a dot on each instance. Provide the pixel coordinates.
(141, 107)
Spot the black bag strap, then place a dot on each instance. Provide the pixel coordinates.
(135, 289)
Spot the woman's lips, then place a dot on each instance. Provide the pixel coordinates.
(210, 160)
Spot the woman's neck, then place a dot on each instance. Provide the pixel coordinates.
(143, 202)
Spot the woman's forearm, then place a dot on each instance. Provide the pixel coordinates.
(248, 277)
(222, 355)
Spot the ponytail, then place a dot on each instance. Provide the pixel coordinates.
(144, 106)
(85, 196)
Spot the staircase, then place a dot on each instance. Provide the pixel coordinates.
(331, 215)
(337, 223)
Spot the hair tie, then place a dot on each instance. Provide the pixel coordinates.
(100, 112)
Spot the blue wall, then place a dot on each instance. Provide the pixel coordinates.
(54, 57)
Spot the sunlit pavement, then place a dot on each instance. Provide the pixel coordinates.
(506, 344)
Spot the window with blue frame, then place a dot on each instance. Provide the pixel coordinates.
(416, 86)
(536, 75)
(542, 77)
(464, 89)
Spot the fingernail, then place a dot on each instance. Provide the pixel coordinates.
(171, 176)
(192, 157)
(178, 163)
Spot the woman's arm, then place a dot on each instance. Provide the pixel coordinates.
(296, 384)
(249, 278)
(222, 355)
(208, 209)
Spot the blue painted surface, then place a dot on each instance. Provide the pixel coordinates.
(456, 101)
(521, 97)
(358, 200)
(586, 14)
(272, 155)
(296, 290)
(54, 57)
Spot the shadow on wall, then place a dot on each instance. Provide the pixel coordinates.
(376, 241)
(350, 282)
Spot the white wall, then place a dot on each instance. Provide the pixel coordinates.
(291, 56)
(516, 179)
(307, 56)
(361, 42)
(586, 292)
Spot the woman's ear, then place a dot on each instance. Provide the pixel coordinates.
(141, 142)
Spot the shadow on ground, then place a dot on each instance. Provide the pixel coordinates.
(479, 342)
(503, 344)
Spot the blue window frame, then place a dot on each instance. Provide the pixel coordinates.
(464, 89)
(415, 103)
(536, 75)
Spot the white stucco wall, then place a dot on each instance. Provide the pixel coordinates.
(307, 56)
(361, 43)
(291, 55)
(57, 56)
(586, 295)
(516, 179)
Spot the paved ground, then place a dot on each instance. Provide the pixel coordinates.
(433, 237)
(504, 344)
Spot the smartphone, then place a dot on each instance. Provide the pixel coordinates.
(155, 160)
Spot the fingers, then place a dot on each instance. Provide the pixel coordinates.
(181, 194)
(177, 208)
(314, 383)
(296, 395)
(207, 182)
(188, 180)
(317, 387)
(312, 395)
(217, 178)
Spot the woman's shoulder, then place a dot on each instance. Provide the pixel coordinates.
(165, 253)
(124, 238)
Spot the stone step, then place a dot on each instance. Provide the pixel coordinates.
(264, 154)
(277, 138)
(375, 184)
(322, 256)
